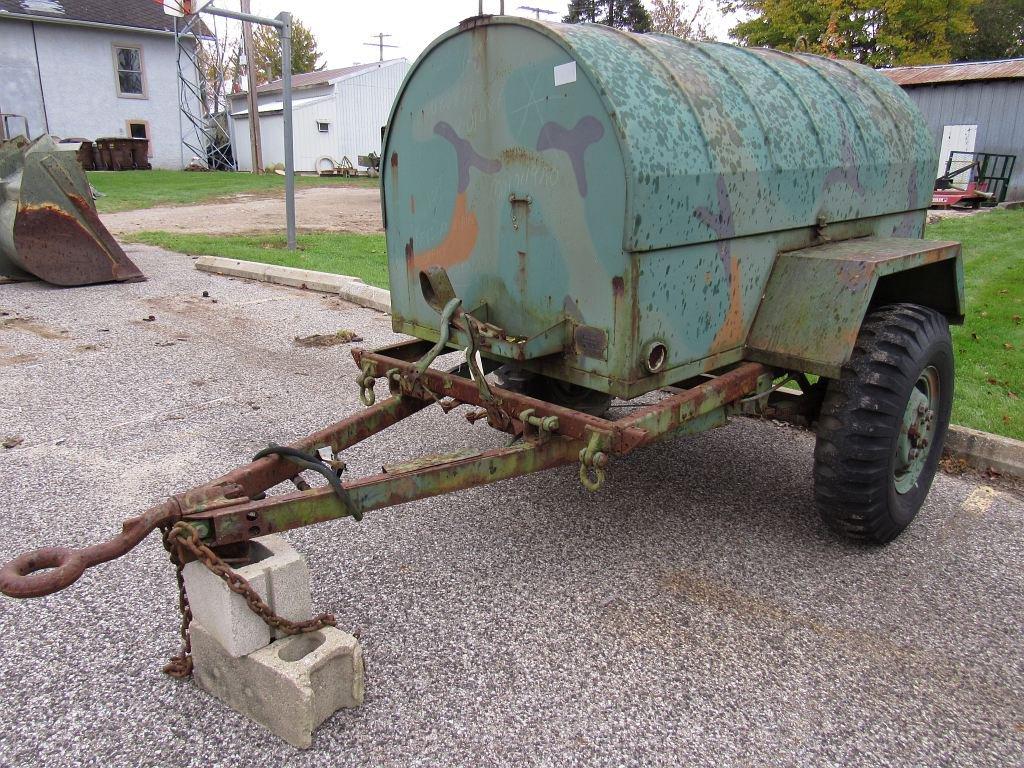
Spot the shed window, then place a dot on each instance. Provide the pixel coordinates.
(323, 126)
(128, 62)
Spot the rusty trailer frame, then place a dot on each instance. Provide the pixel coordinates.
(234, 508)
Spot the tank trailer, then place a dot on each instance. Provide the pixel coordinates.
(587, 214)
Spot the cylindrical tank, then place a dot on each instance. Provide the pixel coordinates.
(633, 190)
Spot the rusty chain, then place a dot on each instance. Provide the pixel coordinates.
(181, 538)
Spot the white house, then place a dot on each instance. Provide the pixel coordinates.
(86, 69)
(336, 113)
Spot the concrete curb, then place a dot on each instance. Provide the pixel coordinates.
(980, 450)
(349, 288)
(983, 450)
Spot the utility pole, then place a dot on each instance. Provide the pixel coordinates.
(381, 44)
(256, 146)
(537, 11)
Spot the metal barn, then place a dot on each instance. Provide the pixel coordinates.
(975, 107)
(336, 113)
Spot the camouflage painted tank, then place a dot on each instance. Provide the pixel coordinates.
(616, 202)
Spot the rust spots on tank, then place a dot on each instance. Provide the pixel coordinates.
(458, 244)
(523, 156)
(410, 251)
(394, 161)
(855, 275)
(574, 142)
(618, 286)
(521, 273)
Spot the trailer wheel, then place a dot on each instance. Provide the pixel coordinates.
(883, 422)
(563, 393)
(568, 395)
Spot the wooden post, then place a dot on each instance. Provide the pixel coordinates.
(256, 147)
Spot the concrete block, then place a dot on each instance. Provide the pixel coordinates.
(291, 686)
(279, 575)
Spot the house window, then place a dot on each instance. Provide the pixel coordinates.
(139, 129)
(323, 126)
(128, 63)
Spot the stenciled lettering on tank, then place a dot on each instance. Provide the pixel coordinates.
(574, 142)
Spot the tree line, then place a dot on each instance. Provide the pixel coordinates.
(879, 33)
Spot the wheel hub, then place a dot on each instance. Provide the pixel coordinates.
(917, 431)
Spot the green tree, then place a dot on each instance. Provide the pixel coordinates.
(672, 17)
(624, 14)
(266, 52)
(880, 33)
(998, 32)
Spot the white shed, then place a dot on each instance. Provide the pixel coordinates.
(336, 113)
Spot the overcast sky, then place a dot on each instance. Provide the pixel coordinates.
(341, 27)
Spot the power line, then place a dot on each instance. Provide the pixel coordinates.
(381, 44)
(537, 11)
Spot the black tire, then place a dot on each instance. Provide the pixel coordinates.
(550, 390)
(862, 485)
(574, 396)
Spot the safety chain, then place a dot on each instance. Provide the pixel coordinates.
(181, 538)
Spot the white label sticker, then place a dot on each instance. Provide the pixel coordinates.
(565, 73)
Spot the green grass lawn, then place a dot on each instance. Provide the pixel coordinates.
(362, 256)
(130, 190)
(989, 346)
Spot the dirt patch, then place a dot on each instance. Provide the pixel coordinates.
(31, 326)
(321, 209)
(6, 362)
(327, 339)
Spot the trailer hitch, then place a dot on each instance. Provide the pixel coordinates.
(50, 569)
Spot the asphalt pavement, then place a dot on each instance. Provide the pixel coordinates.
(693, 612)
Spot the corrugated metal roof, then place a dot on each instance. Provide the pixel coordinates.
(954, 73)
(278, 106)
(324, 76)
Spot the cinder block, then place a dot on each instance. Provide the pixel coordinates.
(278, 574)
(291, 686)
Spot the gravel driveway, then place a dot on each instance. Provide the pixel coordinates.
(694, 612)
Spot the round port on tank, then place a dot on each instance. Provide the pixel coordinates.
(655, 356)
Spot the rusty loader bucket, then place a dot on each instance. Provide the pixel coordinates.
(49, 228)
